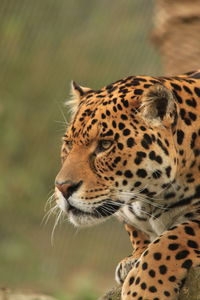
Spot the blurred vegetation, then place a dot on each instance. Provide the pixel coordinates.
(44, 44)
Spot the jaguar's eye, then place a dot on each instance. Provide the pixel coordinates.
(69, 145)
(104, 145)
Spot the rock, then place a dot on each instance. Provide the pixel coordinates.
(190, 291)
(7, 294)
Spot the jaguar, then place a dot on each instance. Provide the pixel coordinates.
(132, 150)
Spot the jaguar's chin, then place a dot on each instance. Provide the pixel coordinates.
(84, 220)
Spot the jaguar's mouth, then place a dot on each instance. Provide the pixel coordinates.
(105, 210)
(84, 214)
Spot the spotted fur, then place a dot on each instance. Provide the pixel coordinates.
(133, 150)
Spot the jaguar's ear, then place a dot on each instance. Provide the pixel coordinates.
(158, 106)
(77, 93)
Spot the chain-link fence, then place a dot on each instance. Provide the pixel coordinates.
(43, 45)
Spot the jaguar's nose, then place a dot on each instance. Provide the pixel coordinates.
(67, 188)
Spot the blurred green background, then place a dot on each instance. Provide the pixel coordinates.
(43, 45)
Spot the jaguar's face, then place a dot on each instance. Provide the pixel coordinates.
(110, 156)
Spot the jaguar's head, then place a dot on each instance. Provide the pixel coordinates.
(116, 149)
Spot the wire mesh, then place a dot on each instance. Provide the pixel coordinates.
(43, 45)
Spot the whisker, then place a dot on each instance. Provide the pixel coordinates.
(48, 214)
(62, 113)
(61, 122)
(60, 130)
(50, 200)
(55, 225)
(140, 191)
(144, 199)
(150, 215)
(98, 213)
(50, 192)
(143, 211)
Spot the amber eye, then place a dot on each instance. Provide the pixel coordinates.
(69, 145)
(104, 145)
